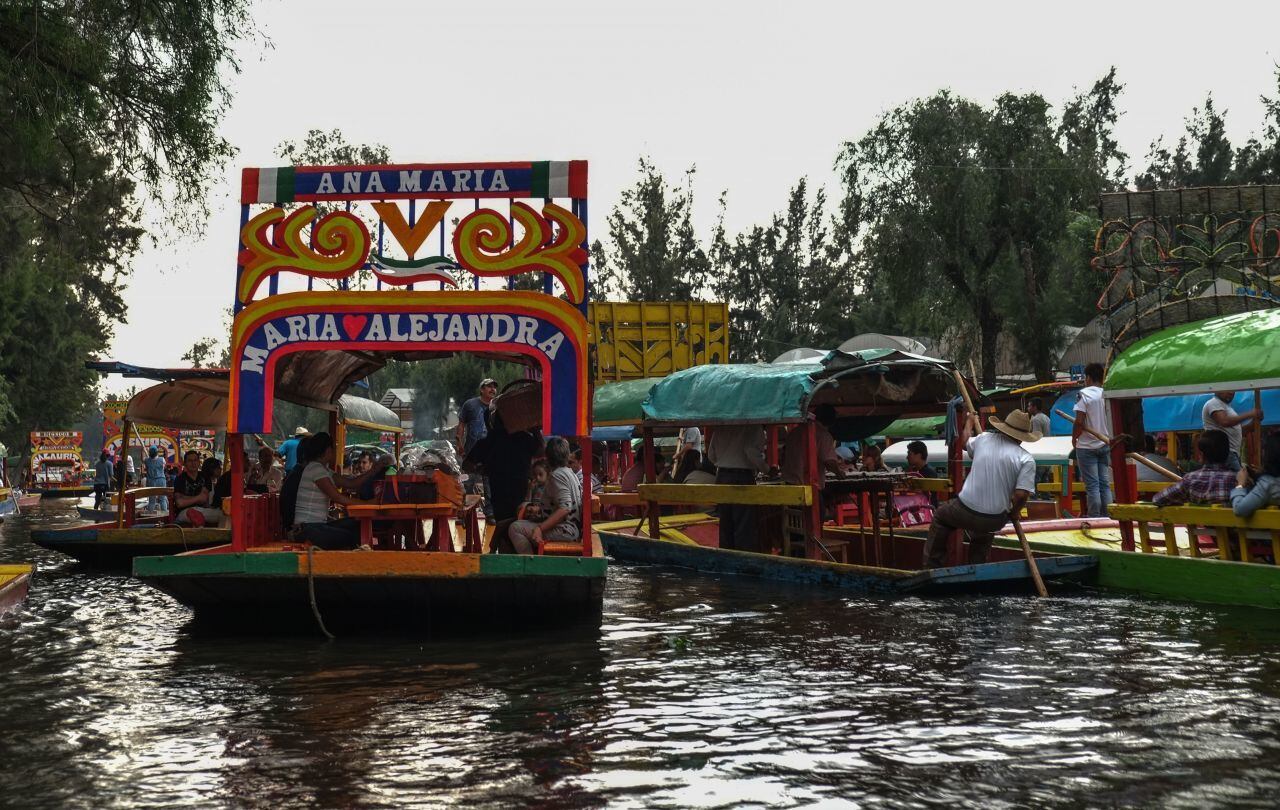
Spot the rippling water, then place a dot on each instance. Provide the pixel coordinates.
(694, 693)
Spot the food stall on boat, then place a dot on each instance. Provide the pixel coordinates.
(1196, 553)
(56, 467)
(868, 390)
(307, 342)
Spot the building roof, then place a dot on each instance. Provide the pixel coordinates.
(398, 397)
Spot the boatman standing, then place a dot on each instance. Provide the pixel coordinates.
(1001, 477)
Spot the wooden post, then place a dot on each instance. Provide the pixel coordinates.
(122, 473)
(771, 449)
(235, 463)
(1124, 487)
(815, 476)
(584, 442)
(651, 477)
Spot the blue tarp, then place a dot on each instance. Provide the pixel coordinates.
(1160, 414)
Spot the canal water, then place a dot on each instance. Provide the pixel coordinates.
(695, 692)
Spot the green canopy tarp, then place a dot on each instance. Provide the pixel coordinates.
(924, 427)
(766, 393)
(619, 403)
(1227, 353)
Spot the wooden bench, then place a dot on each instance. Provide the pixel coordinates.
(1228, 530)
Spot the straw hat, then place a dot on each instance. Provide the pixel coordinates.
(1017, 426)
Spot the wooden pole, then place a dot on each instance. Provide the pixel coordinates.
(1138, 457)
(1255, 435)
(1031, 561)
(122, 474)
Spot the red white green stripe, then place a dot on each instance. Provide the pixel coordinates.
(274, 185)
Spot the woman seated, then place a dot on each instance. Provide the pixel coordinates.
(317, 487)
(561, 504)
(634, 476)
(871, 459)
(1266, 490)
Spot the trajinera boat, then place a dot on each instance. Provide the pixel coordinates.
(1194, 553)
(372, 305)
(186, 399)
(868, 390)
(15, 580)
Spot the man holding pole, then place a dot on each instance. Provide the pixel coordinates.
(1001, 478)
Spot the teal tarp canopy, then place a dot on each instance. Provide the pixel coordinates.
(882, 383)
(619, 403)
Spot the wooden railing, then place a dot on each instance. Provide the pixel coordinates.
(1231, 533)
(744, 494)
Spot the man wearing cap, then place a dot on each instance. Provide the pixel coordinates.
(289, 448)
(473, 425)
(1001, 478)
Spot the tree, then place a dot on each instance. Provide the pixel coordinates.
(654, 254)
(787, 283)
(1204, 155)
(960, 211)
(97, 96)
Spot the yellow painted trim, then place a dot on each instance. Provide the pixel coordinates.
(1077, 487)
(930, 484)
(1212, 516)
(780, 495)
(391, 564)
(360, 423)
(619, 498)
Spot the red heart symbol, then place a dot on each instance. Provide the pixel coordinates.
(353, 325)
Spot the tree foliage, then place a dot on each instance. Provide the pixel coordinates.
(1204, 156)
(963, 213)
(97, 97)
(787, 283)
(654, 253)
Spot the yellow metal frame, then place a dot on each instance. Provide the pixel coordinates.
(634, 340)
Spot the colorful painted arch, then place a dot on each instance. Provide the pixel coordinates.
(535, 328)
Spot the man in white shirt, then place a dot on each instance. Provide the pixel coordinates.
(1039, 419)
(690, 440)
(1093, 456)
(1218, 414)
(1001, 478)
(738, 453)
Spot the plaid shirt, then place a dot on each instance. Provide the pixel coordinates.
(1212, 483)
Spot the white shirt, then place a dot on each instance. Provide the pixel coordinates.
(692, 436)
(738, 447)
(1040, 422)
(1094, 409)
(1000, 465)
(1234, 432)
(312, 505)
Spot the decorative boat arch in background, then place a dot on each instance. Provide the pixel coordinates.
(1183, 255)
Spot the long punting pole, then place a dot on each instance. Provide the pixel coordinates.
(1022, 538)
(1138, 457)
(122, 474)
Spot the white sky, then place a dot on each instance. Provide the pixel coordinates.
(755, 94)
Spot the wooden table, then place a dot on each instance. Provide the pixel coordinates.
(440, 514)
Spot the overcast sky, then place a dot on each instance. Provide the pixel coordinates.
(755, 94)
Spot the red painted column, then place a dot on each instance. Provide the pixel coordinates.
(815, 477)
(955, 465)
(1125, 489)
(585, 443)
(239, 526)
(651, 477)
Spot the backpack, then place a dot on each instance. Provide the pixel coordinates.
(289, 495)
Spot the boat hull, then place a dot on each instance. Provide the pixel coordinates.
(109, 547)
(62, 492)
(1005, 575)
(1188, 579)
(28, 501)
(15, 580)
(415, 591)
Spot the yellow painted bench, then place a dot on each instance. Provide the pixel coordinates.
(1220, 520)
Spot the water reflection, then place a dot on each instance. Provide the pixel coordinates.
(695, 692)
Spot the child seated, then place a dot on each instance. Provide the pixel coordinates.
(531, 509)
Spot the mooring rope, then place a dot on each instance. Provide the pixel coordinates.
(311, 592)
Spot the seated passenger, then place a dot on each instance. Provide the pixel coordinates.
(316, 488)
(687, 465)
(705, 474)
(193, 489)
(561, 503)
(267, 476)
(793, 448)
(634, 476)
(1154, 451)
(1212, 483)
(575, 464)
(918, 460)
(538, 475)
(1266, 490)
(871, 459)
